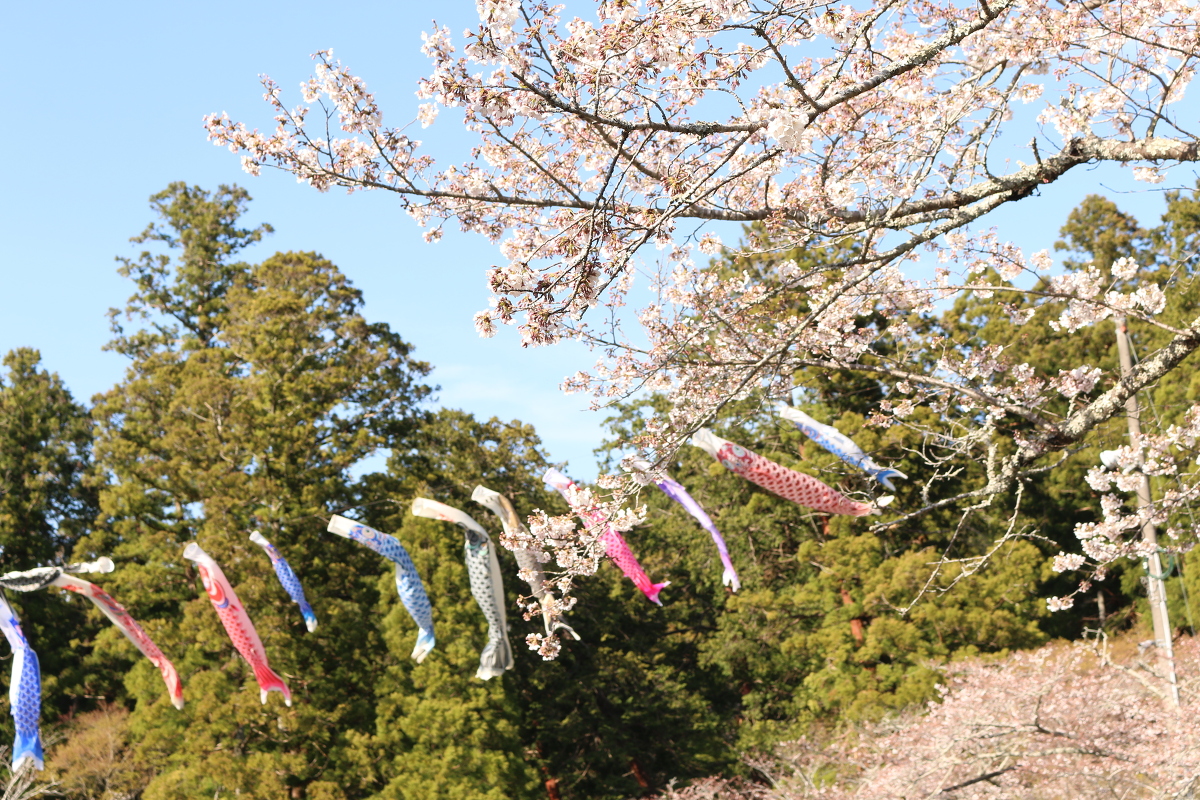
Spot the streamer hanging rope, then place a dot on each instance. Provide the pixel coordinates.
(483, 569)
(237, 623)
(39, 578)
(408, 582)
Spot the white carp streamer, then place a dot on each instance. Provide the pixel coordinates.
(483, 569)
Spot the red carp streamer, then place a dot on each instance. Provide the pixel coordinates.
(787, 483)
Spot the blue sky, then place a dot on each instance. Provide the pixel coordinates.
(110, 98)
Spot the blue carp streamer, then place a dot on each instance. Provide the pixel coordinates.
(839, 444)
(408, 582)
(287, 579)
(25, 690)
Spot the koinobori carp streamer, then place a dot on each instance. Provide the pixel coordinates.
(615, 546)
(237, 623)
(408, 582)
(24, 690)
(674, 490)
(527, 559)
(40, 577)
(483, 570)
(117, 614)
(787, 483)
(839, 444)
(288, 580)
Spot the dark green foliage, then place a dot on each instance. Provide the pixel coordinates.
(248, 414)
(189, 292)
(815, 634)
(45, 439)
(630, 704)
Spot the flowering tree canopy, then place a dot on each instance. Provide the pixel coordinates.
(853, 140)
(1057, 722)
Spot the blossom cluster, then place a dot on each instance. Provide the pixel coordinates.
(853, 140)
(598, 136)
(574, 552)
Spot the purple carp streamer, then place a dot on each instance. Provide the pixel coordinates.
(287, 579)
(787, 483)
(408, 582)
(237, 623)
(615, 546)
(527, 558)
(483, 569)
(24, 691)
(118, 616)
(674, 490)
(839, 444)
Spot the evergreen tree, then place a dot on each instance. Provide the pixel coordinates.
(254, 389)
(618, 714)
(250, 394)
(44, 451)
(45, 439)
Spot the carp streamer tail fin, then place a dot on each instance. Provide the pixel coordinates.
(884, 476)
(28, 744)
(655, 588)
(425, 642)
(567, 629)
(268, 681)
(729, 578)
(494, 659)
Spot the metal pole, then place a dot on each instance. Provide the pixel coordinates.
(1156, 586)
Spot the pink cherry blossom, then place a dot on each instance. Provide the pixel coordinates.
(612, 137)
(1064, 721)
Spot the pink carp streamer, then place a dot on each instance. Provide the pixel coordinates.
(237, 623)
(117, 614)
(787, 483)
(615, 546)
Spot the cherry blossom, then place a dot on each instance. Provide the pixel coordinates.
(1064, 721)
(612, 138)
